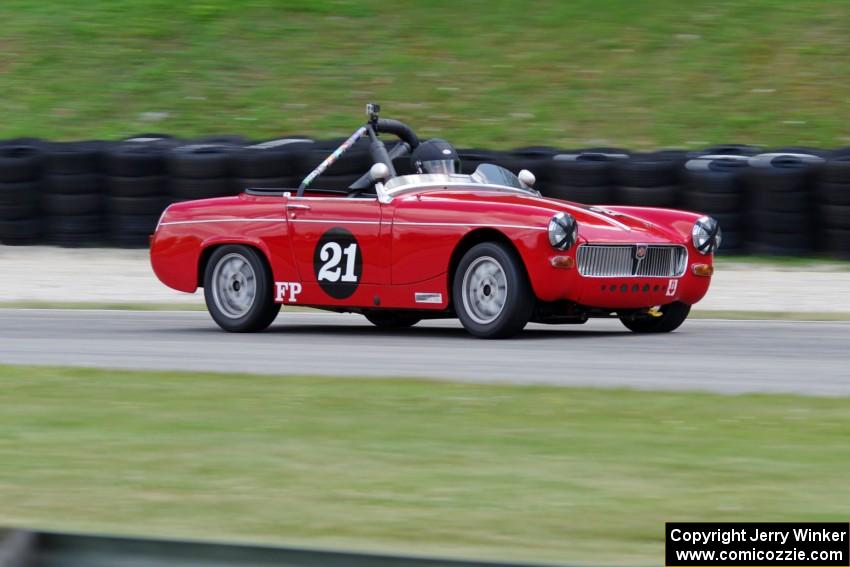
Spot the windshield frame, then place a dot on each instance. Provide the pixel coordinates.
(402, 184)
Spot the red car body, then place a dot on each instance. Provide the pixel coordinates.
(409, 246)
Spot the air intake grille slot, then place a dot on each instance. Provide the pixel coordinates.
(631, 260)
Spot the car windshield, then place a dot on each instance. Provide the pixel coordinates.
(492, 174)
(485, 174)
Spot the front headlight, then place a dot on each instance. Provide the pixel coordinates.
(706, 235)
(563, 231)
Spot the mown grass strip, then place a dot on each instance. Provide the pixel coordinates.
(559, 474)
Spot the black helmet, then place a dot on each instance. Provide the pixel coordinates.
(435, 156)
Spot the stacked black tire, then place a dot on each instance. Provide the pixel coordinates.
(73, 199)
(833, 201)
(715, 185)
(273, 164)
(650, 179)
(201, 171)
(21, 220)
(137, 189)
(584, 176)
(781, 203)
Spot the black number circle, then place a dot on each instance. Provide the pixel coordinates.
(338, 263)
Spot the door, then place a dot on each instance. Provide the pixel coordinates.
(338, 249)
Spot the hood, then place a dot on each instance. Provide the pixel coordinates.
(596, 223)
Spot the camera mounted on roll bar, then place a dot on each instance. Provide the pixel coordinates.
(373, 110)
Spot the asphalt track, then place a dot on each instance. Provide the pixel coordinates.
(711, 355)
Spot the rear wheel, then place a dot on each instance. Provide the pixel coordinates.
(669, 318)
(491, 293)
(238, 290)
(391, 319)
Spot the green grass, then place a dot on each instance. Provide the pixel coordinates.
(557, 474)
(498, 74)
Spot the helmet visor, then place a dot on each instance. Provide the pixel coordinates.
(447, 166)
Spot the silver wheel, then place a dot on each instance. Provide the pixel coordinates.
(234, 286)
(484, 290)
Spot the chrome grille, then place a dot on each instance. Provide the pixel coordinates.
(621, 260)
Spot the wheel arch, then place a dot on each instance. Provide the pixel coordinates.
(478, 236)
(209, 248)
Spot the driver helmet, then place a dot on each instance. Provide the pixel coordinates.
(435, 156)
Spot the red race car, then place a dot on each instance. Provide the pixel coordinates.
(485, 248)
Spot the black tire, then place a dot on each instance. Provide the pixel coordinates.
(149, 206)
(77, 224)
(262, 310)
(518, 301)
(835, 216)
(201, 161)
(771, 221)
(729, 150)
(27, 192)
(580, 170)
(786, 201)
(837, 243)
(716, 176)
(223, 140)
(672, 316)
(22, 231)
(650, 169)
(586, 195)
(135, 159)
(132, 225)
(837, 169)
(191, 189)
(833, 193)
(17, 211)
(733, 242)
(19, 162)
(57, 204)
(137, 186)
(388, 319)
(730, 221)
(661, 196)
(767, 249)
(713, 202)
(794, 177)
(73, 158)
(781, 243)
(260, 161)
(76, 184)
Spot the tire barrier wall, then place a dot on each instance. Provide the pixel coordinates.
(785, 201)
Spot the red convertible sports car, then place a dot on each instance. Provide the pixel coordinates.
(485, 248)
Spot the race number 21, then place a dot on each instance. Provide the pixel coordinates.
(331, 254)
(338, 262)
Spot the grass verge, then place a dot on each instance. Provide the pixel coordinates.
(616, 72)
(553, 474)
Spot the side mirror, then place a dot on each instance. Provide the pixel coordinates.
(527, 178)
(379, 172)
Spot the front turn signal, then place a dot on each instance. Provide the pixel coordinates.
(704, 270)
(564, 262)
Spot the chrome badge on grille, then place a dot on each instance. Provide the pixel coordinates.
(640, 252)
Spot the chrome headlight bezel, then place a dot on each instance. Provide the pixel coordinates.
(563, 231)
(706, 235)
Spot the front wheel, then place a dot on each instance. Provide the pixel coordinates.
(669, 319)
(238, 290)
(491, 293)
